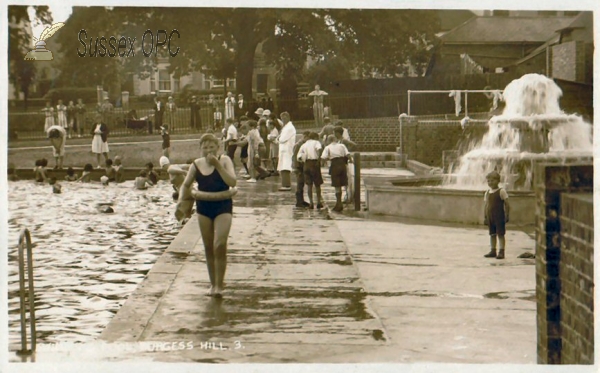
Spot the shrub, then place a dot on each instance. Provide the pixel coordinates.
(88, 95)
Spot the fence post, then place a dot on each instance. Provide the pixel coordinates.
(408, 103)
(356, 181)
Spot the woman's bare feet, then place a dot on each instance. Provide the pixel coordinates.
(218, 292)
(210, 292)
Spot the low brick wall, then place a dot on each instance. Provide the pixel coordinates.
(577, 278)
(426, 140)
(551, 181)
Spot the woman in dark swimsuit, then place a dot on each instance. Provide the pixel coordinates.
(214, 206)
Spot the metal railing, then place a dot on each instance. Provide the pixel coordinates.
(25, 244)
(459, 91)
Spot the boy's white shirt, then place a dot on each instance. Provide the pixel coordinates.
(309, 150)
(231, 133)
(335, 150)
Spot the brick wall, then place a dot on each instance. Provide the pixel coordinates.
(380, 134)
(550, 181)
(571, 61)
(577, 278)
(426, 141)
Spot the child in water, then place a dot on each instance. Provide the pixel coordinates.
(86, 176)
(40, 170)
(152, 175)
(110, 170)
(71, 175)
(118, 169)
(56, 187)
(141, 182)
(12, 173)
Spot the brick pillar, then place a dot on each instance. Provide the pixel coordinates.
(550, 181)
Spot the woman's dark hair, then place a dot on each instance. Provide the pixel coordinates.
(70, 171)
(54, 134)
(88, 167)
(43, 162)
(38, 162)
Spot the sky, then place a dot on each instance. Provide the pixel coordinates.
(60, 13)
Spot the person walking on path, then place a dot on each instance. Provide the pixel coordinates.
(318, 111)
(80, 117)
(72, 125)
(229, 106)
(255, 144)
(61, 115)
(496, 209)
(166, 137)
(58, 139)
(286, 141)
(195, 120)
(159, 110)
(212, 174)
(170, 113)
(231, 138)
(100, 139)
(49, 112)
(299, 171)
(309, 154)
(338, 154)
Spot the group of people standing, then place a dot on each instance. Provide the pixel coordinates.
(69, 117)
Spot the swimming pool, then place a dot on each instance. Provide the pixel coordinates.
(86, 263)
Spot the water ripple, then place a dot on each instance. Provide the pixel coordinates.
(86, 263)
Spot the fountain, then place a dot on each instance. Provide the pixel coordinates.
(531, 129)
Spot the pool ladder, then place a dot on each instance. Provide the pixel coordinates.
(25, 244)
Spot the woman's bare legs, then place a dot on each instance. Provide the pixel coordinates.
(222, 225)
(207, 231)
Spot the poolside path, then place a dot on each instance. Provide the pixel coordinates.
(306, 286)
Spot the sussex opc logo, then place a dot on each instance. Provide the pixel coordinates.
(40, 53)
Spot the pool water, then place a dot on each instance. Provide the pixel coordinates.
(86, 263)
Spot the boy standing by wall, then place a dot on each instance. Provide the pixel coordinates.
(496, 210)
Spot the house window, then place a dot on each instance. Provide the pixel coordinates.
(164, 80)
(217, 83)
(176, 84)
(152, 83)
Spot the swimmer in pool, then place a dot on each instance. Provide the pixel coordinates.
(141, 182)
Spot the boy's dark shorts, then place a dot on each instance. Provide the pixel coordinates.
(231, 151)
(338, 172)
(312, 172)
(497, 227)
(244, 152)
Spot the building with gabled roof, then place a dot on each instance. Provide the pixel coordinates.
(491, 43)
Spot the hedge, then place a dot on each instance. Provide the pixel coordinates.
(66, 94)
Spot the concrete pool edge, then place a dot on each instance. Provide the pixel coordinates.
(433, 204)
(132, 318)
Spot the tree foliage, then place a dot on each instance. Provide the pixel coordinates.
(222, 42)
(21, 73)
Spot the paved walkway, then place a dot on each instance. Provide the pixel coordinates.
(306, 286)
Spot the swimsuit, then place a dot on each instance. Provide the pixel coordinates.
(212, 183)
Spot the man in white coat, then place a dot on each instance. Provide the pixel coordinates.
(286, 141)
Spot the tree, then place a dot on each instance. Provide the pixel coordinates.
(21, 73)
(223, 41)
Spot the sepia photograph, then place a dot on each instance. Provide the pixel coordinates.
(326, 186)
